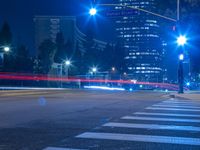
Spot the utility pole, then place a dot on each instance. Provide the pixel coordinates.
(178, 10)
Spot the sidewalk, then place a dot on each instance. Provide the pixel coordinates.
(194, 95)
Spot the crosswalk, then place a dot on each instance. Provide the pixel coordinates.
(172, 122)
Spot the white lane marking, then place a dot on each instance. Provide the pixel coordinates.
(180, 103)
(175, 100)
(152, 126)
(29, 88)
(161, 119)
(173, 109)
(172, 102)
(57, 148)
(140, 138)
(166, 114)
(176, 106)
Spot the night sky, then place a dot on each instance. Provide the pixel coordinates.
(19, 14)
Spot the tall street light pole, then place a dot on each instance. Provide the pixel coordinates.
(181, 41)
(178, 10)
(67, 63)
(180, 74)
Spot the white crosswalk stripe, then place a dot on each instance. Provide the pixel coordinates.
(169, 106)
(188, 103)
(177, 106)
(173, 109)
(183, 113)
(167, 114)
(152, 126)
(161, 119)
(57, 148)
(140, 138)
(175, 100)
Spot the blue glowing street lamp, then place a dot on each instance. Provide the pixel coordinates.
(181, 40)
(94, 69)
(93, 11)
(181, 57)
(6, 49)
(67, 64)
(188, 84)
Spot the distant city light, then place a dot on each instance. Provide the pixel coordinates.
(94, 69)
(93, 11)
(67, 62)
(134, 81)
(141, 86)
(6, 49)
(104, 88)
(130, 89)
(181, 57)
(181, 40)
(113, 69)
(188, 83)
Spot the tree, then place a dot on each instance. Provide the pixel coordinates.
(107, 58)
(89, 54)
(60, 54)
(6, 40)
(46, 55)
(23, 62)
(5, 35)
(78, 61)
(69, 50)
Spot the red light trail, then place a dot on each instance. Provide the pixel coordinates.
(29, 77)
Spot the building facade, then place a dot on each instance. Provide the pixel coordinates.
(47, 27)
(140, 34)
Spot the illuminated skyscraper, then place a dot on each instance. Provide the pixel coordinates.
(141, 37)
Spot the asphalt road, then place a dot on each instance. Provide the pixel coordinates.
(97, 120)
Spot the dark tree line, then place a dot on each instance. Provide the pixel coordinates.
(49, 52)
(17, 59)
(62, 49)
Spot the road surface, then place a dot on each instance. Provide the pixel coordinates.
(97, 120)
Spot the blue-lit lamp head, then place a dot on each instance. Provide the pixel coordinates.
(181, 57)
(181, 40)
(6, 49)
(188, 83)
(67, 62)
(93, 11)
(94, 69)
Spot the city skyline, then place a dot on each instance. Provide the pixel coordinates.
(101, 22)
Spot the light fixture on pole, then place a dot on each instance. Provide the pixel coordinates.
(67, 63)
(93, 11)
(181, 57)
(181, 40)
(181, 74)
(113, 68)
(94, 69)
(6, 49)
